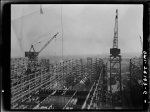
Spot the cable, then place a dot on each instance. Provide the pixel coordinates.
(62, 48)
(62, 31)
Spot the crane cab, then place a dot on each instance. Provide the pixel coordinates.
(115, 52)
(31, 55)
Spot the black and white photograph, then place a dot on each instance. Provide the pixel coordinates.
(76, 56)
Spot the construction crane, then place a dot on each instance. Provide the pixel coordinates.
(115, 60)
(32, 54)
(141, 42)
(141, 56)
(41, 10)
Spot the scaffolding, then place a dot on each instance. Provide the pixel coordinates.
(65, 75)
(136, 79)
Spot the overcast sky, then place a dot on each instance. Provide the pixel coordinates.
(87, 28)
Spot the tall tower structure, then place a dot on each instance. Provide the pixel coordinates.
(115, 61)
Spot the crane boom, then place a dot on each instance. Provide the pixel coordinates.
(115, 41)
(48, 42)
